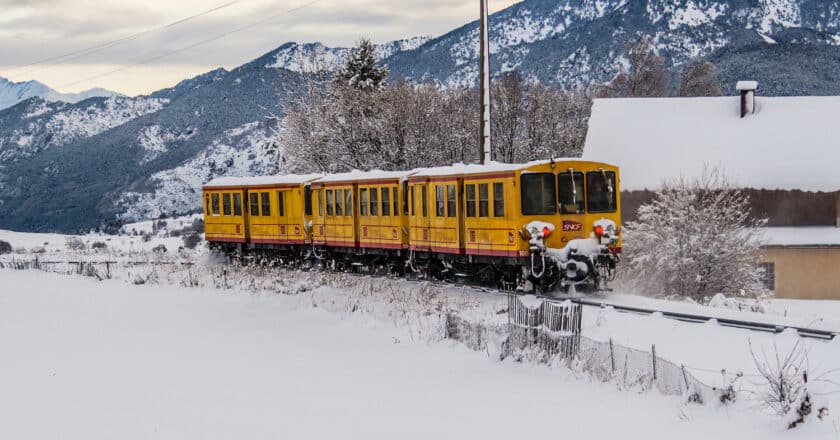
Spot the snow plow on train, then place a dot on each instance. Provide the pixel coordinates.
(544, 226)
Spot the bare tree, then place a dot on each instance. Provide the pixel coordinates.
(645, 76)
(696, 239)
(699, 78)
(507, 116)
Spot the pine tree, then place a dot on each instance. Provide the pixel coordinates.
(361, 69)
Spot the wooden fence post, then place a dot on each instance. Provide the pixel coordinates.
(653, 357)
(612, 356)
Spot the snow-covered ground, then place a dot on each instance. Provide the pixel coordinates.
(103, 360)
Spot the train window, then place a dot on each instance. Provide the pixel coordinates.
(470, 190)
(330, 202)
(451, 204)
(424, 198)
(405, 197)
(207, 204)
(374, 201)
(363, 201)
(226, 204)
(339, 202)
(281, 204)
(396, 199)
(440, 200)
(348, 202)
(600, 191)
(255, 204)
(413, 201)
(215, 204)
(237, 204)
(386, 201)
(265, 199)
(483, 200)
(307, 200)
(498, 199)
(319, 193)
(538, 194)
(570, 192)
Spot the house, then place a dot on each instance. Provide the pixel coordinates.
(785, 151)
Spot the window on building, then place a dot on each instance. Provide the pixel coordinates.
(348, 202)
(215, 204)
(265, 198)
(226, 204)
(307, 200)
(538, 194)
(600, 191)
(374, 201)
(281, 204)
(470, 190)
(424, 198)
(330, 202)
(237, 204)
(386, 202)
(498, 199)
(483, 200)
(440, 200)
(363, 202)
(570, 192)
(768, 275)
(339, 202)
(255, 204)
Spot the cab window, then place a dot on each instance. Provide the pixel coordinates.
(570, 192)
(498, 199)
(215, 204)
(226, 204)
(600, 194)
(363, 202)
(538, 194)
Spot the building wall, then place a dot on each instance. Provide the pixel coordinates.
(805, 273)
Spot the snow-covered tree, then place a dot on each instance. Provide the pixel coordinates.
(361, 68)
(694, 240)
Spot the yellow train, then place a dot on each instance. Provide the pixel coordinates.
(543, 225)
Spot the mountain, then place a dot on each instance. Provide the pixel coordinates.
(12, 93)
(68, 166)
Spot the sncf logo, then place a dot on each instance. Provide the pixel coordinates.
(572, 226)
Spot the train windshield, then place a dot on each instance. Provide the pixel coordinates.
(570, 192)
(539, 194)
(600, 191)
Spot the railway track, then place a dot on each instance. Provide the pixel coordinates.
(809, 333)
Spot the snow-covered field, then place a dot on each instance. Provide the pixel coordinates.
(104, 360)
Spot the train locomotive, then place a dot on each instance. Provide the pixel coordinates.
(543, 226)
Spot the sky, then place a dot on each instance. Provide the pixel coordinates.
(38, 30)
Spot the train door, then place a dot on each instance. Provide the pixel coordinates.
(283, 223)
(419, 224)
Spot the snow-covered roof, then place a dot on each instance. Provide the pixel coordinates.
(789, 143)
(357, 175)
(805, 236)
(492, 167)
(289, 179)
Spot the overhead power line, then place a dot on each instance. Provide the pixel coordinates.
(194, 45)
(63, 58)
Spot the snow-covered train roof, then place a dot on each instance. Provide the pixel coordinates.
(288, 179)
(357, 175)
(788, 143)
(492, 167)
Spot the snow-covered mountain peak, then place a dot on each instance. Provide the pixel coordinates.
(12, 93)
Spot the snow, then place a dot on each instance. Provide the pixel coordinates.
(806, 236)
(96, 360)
(491, 167)
(287, 179)
(746, 86)
(357, 175)
(690, 133)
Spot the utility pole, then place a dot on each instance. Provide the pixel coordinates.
(486, 154)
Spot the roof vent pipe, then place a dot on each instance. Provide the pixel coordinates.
(747, 91)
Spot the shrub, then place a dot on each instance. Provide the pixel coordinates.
(75, 244)
(159, 249)
(5, 247)
(191, 240)
(98, 246)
